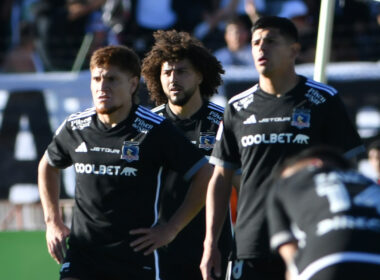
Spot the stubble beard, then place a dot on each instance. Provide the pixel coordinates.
(182, 99)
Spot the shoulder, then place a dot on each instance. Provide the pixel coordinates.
(81, 115)
(243, 99)
(149, 116)
(213, 107)
(159, 110)
(316, 88)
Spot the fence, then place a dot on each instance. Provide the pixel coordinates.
(33, 105)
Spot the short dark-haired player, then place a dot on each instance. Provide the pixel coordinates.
(118, 150)
(281, 115)
(324, 218)
(181, 75)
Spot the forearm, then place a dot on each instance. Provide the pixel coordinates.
(217, 202)
(48, 185)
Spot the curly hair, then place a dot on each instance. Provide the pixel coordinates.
(172, 46)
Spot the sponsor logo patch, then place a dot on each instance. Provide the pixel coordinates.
(301, 118)
(82, 148)
(130, 151)
(207, 140)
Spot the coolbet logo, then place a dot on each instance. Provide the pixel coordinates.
(274, 138)
(111, 170)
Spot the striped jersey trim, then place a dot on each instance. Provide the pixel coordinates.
(88, 112)
(329, 89)
(341, 257)
(243, 94)
(215, 107)
(156, 202)
(158, 108)
(147, 114)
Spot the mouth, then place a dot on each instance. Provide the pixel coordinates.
(175, 90)
(103, 98)
(262, 60)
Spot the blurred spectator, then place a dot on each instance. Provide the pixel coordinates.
(354, 35)
(61, 28)
(237, 36)
(23, 57)
(374, 158)
(5, 26)
(148, 16)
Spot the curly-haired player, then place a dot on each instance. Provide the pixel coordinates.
(181, 75)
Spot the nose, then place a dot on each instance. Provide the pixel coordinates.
(173, 77)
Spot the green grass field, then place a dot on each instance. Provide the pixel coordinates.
(24, 256)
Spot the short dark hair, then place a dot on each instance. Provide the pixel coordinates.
(171, 46)
(285, 26)
(330, 156)
(120, 56)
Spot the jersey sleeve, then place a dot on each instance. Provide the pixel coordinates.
(278, 221)
(226, 150)
(57, 151)
(340, 131)
(178, 153)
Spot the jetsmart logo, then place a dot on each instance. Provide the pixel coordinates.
(110, 170)
(274, 138)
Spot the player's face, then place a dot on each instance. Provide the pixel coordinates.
(112, 89)
(271, 51)
(179, 81)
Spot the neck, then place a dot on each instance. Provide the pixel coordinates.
(189, 109)
(112, 119)
(278, 84)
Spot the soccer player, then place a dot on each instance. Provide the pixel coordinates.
(281, 115)
(324, 218)
(181, 76)
(119, 150)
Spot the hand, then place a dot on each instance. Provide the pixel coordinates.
(211, 260)
(152, 238)
(56, 235)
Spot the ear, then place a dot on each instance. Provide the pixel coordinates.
(295, 49)
(134, 83)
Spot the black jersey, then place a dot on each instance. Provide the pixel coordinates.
(201, 130)
(118, 177)
(259, 130)
(334, 215)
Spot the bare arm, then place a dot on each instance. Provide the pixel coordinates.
(153, 238)
(56, 231)
(287, 252)
(217, 201)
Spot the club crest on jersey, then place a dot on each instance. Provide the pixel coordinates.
(130, 151)
(301, 118)
(207, 140)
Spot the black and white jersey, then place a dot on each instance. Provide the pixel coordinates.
(259, 130)
(118, 177)
(201, 130)
(335, 217)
